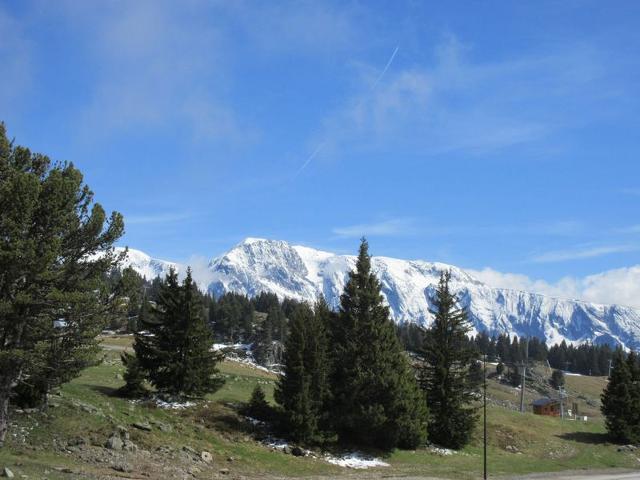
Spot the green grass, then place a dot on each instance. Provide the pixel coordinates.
(544, 443)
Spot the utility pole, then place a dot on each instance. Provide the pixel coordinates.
(562, 394)
(485, 414)
(524, 375)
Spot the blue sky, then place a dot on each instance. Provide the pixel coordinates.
(497, 136)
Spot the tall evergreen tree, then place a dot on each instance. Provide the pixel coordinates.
(620, 401)
(376, 400)
(448, 356)
(134, 377)
(177, 355)
(293, 391)
(53, 295)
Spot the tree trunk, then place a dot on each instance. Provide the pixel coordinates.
(4, 410)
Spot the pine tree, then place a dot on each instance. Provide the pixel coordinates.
(258, 407)
(376, 400)
(448, 357)
(134, 377)
(633, 418)
(177, 355)
(303, 390)
(620, 402)
(55, 253)
(293, 392)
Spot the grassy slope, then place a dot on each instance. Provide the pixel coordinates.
(545, 443)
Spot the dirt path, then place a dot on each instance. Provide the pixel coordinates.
(588, 475)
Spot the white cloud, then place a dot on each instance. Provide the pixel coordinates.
(582, 252)
(566, 287)
(393, 227)
(458, 104)
(155, 65)
(619, 286)
(200, 271)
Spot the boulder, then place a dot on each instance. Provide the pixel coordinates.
(129, 446)
(114, 443)
(142, 426)
(206, 456)
(122, 467)
(7, 473)
(297, 452)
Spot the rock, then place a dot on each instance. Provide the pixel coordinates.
(206, 456)
(162, 426)
(230, 459)
(114, 443)
(122, 467)
(190, 450)
(627, 448)
(76, 441)
(63, 469)
(7, 473)
(224, 471)
(129, 446)
(66, 470)
(511, 448)
(142, 426)
(297, 452)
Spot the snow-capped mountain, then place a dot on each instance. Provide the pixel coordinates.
(146, 266)
(302, 273)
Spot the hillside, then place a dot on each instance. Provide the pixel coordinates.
(67, 441)
(302, 273)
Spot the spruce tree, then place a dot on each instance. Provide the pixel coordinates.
(258, 407)
(376, 400)
(134, 377)
(302, 390)
(620, 402)
(55, 253)
(448, 356)
(177, 355)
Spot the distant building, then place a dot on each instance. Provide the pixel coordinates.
(546, 406)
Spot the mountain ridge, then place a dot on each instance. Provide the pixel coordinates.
(255, 265)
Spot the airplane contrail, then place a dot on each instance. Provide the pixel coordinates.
(373, 87)
(304, 165)
(386, 67)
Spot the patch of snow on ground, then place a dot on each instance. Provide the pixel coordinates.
(255, 422)
(355, 460)
(571, 374)
(173, 405)
(276, 443)
(230, 351)
(443, 452)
